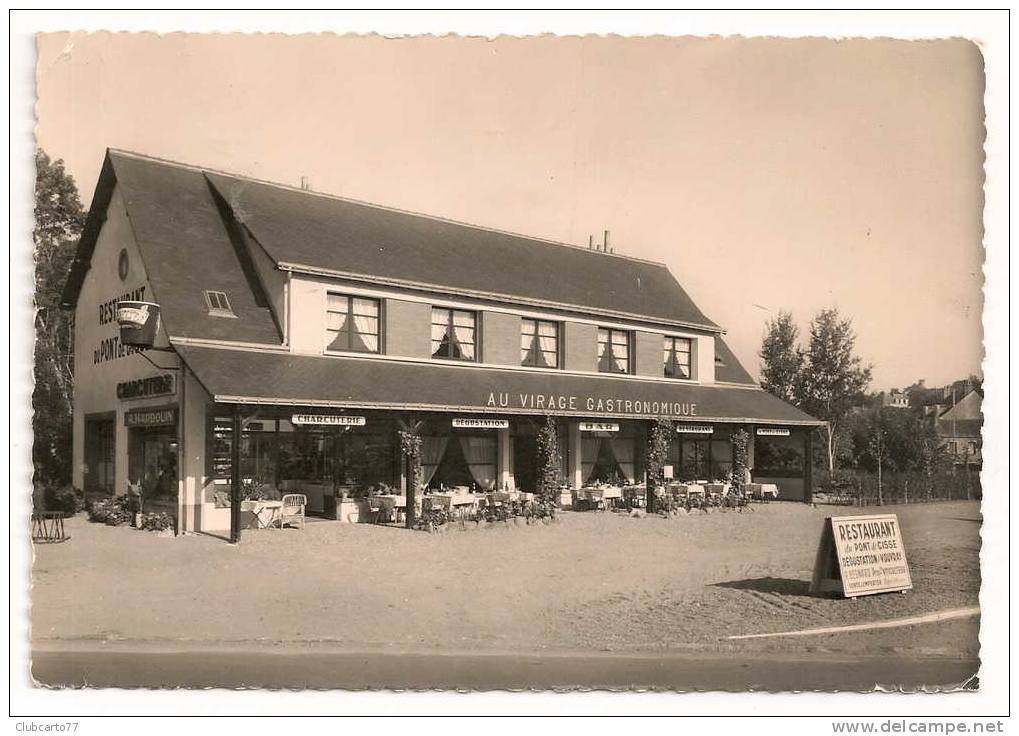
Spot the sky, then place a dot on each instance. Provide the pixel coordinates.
(768, 174)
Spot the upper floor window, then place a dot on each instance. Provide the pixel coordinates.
(454, 334)
(613, 351)
(677, 357)
(539, 343)
(352, 323)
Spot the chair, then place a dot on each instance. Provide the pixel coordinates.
(293, 509)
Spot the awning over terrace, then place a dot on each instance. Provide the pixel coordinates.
(258, 377)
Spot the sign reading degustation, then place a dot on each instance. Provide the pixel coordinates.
(861, 555)
(479, 423)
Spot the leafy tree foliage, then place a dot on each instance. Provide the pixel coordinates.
(659, 437)
(781, 360)
(549, 458)
(59, 219)
(833, 378)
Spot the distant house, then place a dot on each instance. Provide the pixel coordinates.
(959, 426)
(895, 398)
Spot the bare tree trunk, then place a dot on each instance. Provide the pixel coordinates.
(880, 497)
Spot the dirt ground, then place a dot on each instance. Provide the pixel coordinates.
(594, 581)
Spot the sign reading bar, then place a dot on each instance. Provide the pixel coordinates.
(599, 427)
(772, 432)
(332, 420)
(695, 429)
(158, 417)
(147, 388)
(480, 423)
(861, 555)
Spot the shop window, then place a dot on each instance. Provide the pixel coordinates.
(539, 343)
(217, 304)
(778, 457)
(614, 351)
(677, 357)
(352, 323)
(453, 334)
(459, 460)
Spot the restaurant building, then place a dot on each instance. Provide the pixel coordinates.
(311, 329)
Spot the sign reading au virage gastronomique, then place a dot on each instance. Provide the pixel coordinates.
(589, 404)
(334, 420)
(861, 555)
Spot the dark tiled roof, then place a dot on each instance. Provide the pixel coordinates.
(727, 366)
(348, 237)
(246, 376)
(184, 246)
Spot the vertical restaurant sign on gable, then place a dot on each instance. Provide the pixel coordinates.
(111, 348)
(145, 388)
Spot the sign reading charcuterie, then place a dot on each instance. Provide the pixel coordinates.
(146, 388)
(861, 555)
(599, 426)
(772, 432)
(156, 417)
(332, 420)
(480, 423)
(695, 429)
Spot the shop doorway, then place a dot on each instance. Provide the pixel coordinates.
(152, 467)
(100, 454)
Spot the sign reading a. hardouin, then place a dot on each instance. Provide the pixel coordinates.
(861, 555)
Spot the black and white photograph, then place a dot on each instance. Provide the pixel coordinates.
(520, 362)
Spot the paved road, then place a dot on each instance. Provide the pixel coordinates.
(311, 669)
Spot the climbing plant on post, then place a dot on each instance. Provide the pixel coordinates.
(410, 446)
(740, 460)
(549, 464)
(659, 438)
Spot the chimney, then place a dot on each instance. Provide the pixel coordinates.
(605, 243)
(590, 242)
(305, 184)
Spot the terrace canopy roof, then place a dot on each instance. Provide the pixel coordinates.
(263, 377)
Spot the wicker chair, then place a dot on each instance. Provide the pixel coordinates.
(293, 509)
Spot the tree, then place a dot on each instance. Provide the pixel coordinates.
(832, 379)
(659, 438)
(781, 360)
(549, 465)
(59, 219)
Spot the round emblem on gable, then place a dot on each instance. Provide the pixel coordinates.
(123, 264)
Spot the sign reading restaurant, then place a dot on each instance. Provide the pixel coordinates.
(592, 404)
(333, 420)
(861, 555)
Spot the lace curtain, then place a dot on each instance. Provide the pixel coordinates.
(432, 450)
(480, 454)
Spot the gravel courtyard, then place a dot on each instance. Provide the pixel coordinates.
(593, 581)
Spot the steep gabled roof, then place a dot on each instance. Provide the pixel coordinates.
(185, 220)
(309, 231)
(185, 247)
